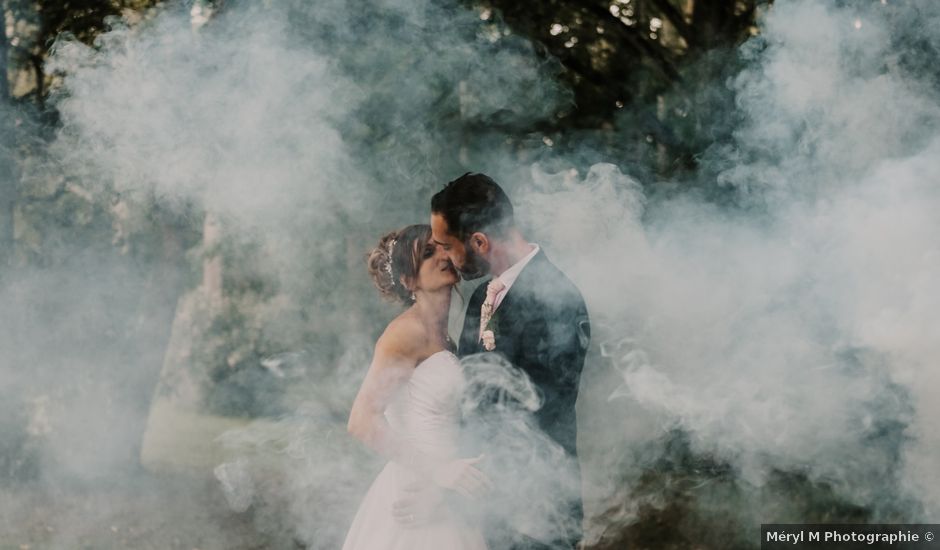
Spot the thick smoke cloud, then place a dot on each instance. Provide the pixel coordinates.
(791, 331)
(294, 135)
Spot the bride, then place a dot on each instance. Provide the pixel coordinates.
(407, 408)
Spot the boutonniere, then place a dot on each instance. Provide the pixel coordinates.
(489, 334)
(488, 313)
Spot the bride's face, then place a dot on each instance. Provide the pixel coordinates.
(436, 269)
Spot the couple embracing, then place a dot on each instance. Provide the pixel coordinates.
(430, 495)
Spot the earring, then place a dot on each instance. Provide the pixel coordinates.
(413, 297)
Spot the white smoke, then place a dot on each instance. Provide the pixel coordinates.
(296, 134)
(794, 331)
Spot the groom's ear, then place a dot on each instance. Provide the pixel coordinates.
(480, 243)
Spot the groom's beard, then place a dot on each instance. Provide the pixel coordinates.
(474, 266)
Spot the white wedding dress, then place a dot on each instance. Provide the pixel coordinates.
(424, 413)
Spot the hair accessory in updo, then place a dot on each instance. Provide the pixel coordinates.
(388, 264)
(395, 261)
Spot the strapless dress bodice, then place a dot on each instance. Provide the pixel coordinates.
(425, 410)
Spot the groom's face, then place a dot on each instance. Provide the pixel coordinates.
(469, 264)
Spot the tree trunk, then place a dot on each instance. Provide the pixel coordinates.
(7, 143)
(7, 207)
(4, 65)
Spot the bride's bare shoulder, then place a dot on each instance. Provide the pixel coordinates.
(403, 337)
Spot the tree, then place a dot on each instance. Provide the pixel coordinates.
(37, 24)
(627, 56)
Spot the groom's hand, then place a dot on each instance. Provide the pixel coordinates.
(462, 476)
(420, 505)
(424, 502)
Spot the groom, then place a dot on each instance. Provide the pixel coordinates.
(528, 311)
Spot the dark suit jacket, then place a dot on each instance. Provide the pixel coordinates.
(542, 327)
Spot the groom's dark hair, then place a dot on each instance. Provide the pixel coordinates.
(471, 203)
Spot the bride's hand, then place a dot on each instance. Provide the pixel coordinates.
(419, 505)
(462, 476)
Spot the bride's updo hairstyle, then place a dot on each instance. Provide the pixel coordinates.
(398, 257)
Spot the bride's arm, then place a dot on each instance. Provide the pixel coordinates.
(391, 367)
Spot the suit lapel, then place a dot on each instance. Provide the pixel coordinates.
(522, 285)
(513, 316)
(510, 316)
(469, 336)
